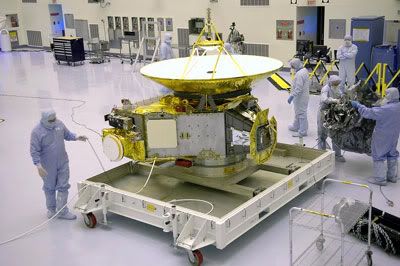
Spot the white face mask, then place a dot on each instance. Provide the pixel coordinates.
(348, 43)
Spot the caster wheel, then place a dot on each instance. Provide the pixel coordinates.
(195, 257)
(122, 62)
(369, 258)
(320, 243)
(90, 220)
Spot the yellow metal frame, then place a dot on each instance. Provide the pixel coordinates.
(315, 69)
(328, 71)
(359, 68)
(210, 43)
(393, 79)
(378, 71)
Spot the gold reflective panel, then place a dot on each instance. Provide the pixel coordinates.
(263, 137)
(168, 104)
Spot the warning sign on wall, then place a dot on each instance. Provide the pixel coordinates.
(284, 29)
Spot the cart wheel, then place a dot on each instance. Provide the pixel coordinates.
(195, 257)
(90, 220)
(320, 243)
(122, 62)
(369, 257)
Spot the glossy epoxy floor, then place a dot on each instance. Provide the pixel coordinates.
(124, 242)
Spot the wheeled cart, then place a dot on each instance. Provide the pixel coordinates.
(199, 216)
(69, 49)
(327, 221)
(131, 44)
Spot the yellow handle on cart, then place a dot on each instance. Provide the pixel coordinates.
(320, 213)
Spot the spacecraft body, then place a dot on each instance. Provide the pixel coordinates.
(211, 119)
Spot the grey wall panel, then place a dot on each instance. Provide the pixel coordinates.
(337, 28)
(256, 49)
(94, 31)
(183, 42)
(69, 21)
(169, 24)
(254, 2)
(82, 29)
(34, 38)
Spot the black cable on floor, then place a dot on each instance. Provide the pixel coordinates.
(81, 103)
(389, 202)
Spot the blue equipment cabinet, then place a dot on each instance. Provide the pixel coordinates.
(367, 32)
(398, 51)
(386, 54)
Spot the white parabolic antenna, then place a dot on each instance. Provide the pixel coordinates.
(197, 75)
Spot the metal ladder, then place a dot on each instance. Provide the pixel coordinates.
(146, 41)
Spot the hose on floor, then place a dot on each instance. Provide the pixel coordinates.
(43, 223)
(81, 103)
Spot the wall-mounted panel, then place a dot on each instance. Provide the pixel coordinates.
(258, 49)
(337, 28)
(254, 2)
(94, 31)
(69, 21)
(34, 38)
(82, 29)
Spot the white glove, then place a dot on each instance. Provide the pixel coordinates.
(336, 101)
(42, 171)
(82, 138)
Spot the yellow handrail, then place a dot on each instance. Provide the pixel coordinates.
(359, 68)
(315, 69)
(393, 79)
(377, 70)
(383, 80)
(327, 72)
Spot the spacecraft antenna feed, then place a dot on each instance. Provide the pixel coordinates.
(113, 148)
(205, 74)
